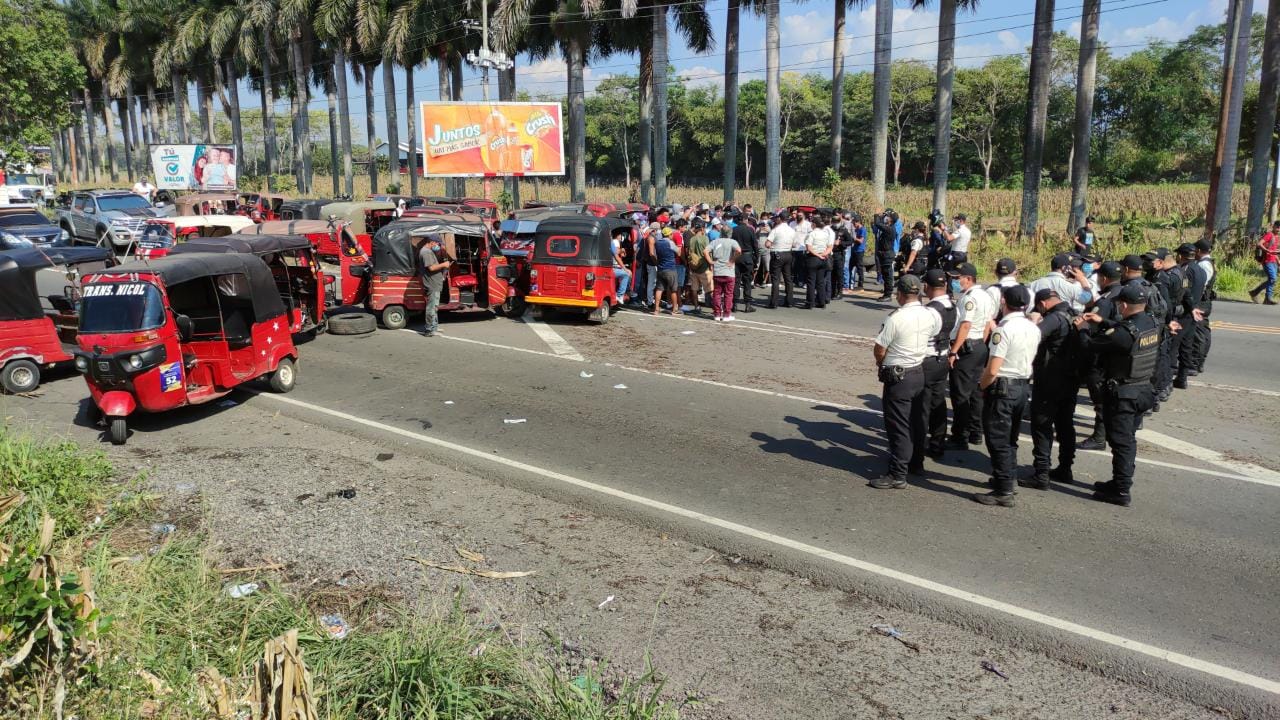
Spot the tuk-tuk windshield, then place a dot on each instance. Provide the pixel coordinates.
(155, 235)
(120, 307)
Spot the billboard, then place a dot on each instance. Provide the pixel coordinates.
(194, 167)
(479, 139)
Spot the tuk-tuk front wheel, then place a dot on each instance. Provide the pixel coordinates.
(285, 376)
(600, 315)
(513, 307)
(119, 430)
(20, 376)
(394, 317)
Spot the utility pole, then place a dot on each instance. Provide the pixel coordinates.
(486, 60)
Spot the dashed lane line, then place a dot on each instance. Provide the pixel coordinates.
(1186, 661)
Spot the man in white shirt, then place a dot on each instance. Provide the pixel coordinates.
(974, 311)
(1067, 281)
(818, 246)
(960, 239)
(779, 243)
(904, 340)
(1006, 383)
(1007, 276)
(145, 189)
(1204, 332)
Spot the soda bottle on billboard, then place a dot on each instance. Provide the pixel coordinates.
(494, 148)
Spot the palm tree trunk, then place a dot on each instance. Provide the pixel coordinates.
(576, 52)
(646, 120)
(78, 157)
(837, 85)
(942, 103)
(302, 121)
(126, 134)
(455, 93)
(393, 120)
(205, 93)
(1234, 66)
(880, 97)
(56, 161)
(93, 160)
(135, 139)
(772, 108)
(442, 80)
(507, 91)
(730, 99)
(1086, 78)
(331, 94)
(237, 129)
(660, 104)
(179, 88)
(149, 114)
(344, 118)
(411, 127)
(108, 130)
(1264, 124)
(1037, 115)
(268, 124)
(368, 119)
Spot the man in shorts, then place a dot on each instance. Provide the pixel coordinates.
(697, 269)
(668, 283)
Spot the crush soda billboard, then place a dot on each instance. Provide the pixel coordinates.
(479, 139)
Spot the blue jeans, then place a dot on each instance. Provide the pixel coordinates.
(433, 302)
(1270, 283)
(622, 279)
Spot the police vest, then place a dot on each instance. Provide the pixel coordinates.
(1156, 306)
(942, 341)
(1175, 281)
(1139, 364)
(1211, 287)
(1059, 354)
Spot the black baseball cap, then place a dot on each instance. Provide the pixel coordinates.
(964, 270)
(1186, 249)
(1204, 246)
(1156, 254)
(1131, 262)
(1017, 296)
(1006, 266)
(1044, 294)
(935, 278)
(1133, 293)
(960, 216)
(1062, 260)
(1110, 270)
(909, 284)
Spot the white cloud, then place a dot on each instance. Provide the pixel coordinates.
(548, 77)
(701, 76)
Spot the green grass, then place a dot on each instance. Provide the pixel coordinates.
(165, 613)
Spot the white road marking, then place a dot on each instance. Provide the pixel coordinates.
(761, 326)
(841, 406)
(1257, 473)
(558, 345)
(1209, 668)
(1235, 388)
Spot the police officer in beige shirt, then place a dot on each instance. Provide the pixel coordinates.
(1006, 384)
(974, 310)
(904, 340)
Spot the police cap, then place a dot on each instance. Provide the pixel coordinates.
(1044, 294)
(909, 284)
(1016, 297)
(935, 278)
(1006, 266)
(1131, 262)
(1156, 254)
(1204, 246)
(1134, 294)
(1110, 270)
(1186, 249)
(964, 270)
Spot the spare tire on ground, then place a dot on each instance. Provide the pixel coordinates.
(352, 324)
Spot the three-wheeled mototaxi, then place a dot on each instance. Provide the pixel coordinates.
(33, 337)
(572, 266)
(303, 286)
(160, 235)
(182, 330)
(388, 282)
(362, 220)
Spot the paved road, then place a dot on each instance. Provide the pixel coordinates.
(772, 424)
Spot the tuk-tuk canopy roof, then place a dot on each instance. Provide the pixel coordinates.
(594, 235)
(395, 251)
(19, 292)
(308, 208)
(235, 222)
(353, 212)
(526, 221)
(290, 227)
(250, 244)
(175, 269)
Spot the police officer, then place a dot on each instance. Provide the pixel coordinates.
(1128, 350)
(1165, 275)
(937, 365)
(974, 310)
(1204, 331)
(749, 241)
(1006, 382)
(1190, 316)
(1055, 376)
(885, 229)
(904, 340)
(1110, 282)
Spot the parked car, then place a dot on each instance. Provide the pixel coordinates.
(38, 187)
(108, 217)
(23, 226)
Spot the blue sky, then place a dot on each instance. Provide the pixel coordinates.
(996, 28)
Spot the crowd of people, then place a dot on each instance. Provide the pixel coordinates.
(1129, 330)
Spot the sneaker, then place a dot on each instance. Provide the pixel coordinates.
(1254, 296)
(718, 318)
(1269, 301)
(1092, 443)
(886, 482)
(992, 498)
(728, 318)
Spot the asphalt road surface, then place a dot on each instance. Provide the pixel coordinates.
(759, 436)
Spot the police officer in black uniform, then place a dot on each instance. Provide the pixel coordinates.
(1136, 270)
(1055, 383)
(747, 238)
(1190, 314)
(1163, 272)
(1110, 279)
(1128, 350)
(937, 368)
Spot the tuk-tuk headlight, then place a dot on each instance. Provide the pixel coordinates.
(82, 364)
(533, 273)
(135, 362)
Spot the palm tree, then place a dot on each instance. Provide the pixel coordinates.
(660, 72)
(731, 98)
(1234, 68)
(880, 97)
(1264, 125)
(93, 23)
(772, 108)
(412, 28)
(837, 84)
(331, 21)
(294, 21)
(1037, 115)
(946, 68)
(1086, 79)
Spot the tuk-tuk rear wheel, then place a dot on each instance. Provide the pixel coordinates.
(119, 431)
(394, 317)
(600, 315)
(20, 376)
(285, 376)
(513, 307)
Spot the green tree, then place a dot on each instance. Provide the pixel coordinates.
(988, 101)
(39, 77)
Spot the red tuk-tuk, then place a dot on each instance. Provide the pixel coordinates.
(303, 286)
(31, 336)
(573, 264)
(361, 218)
(159, 235)
(387, 281)
(262, 206)
(515, 245)
(182, 330)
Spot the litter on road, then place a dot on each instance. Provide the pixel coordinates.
(469, 555)
(163, 529)
(241, 591)
(334, 626)
(448, 402)
(585, 374)
(992, 667)
(228, 403)
(891, 631)
(606, 602)
(514, 421)
(688, 332)
(490, 574)
(619, 386)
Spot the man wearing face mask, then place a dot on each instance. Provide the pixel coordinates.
(1067, 280)
(1006, 382)
(974, 312)
(1056, 381)
(1110, 277)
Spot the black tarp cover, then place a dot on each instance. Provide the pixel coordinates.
(250, 244)
(395, 245)
(19, 293)
(177, 269)
(593, 233)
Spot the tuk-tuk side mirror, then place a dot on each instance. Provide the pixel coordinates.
(185, 328)
(503, 272)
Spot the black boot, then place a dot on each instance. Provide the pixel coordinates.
(1096, 441)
